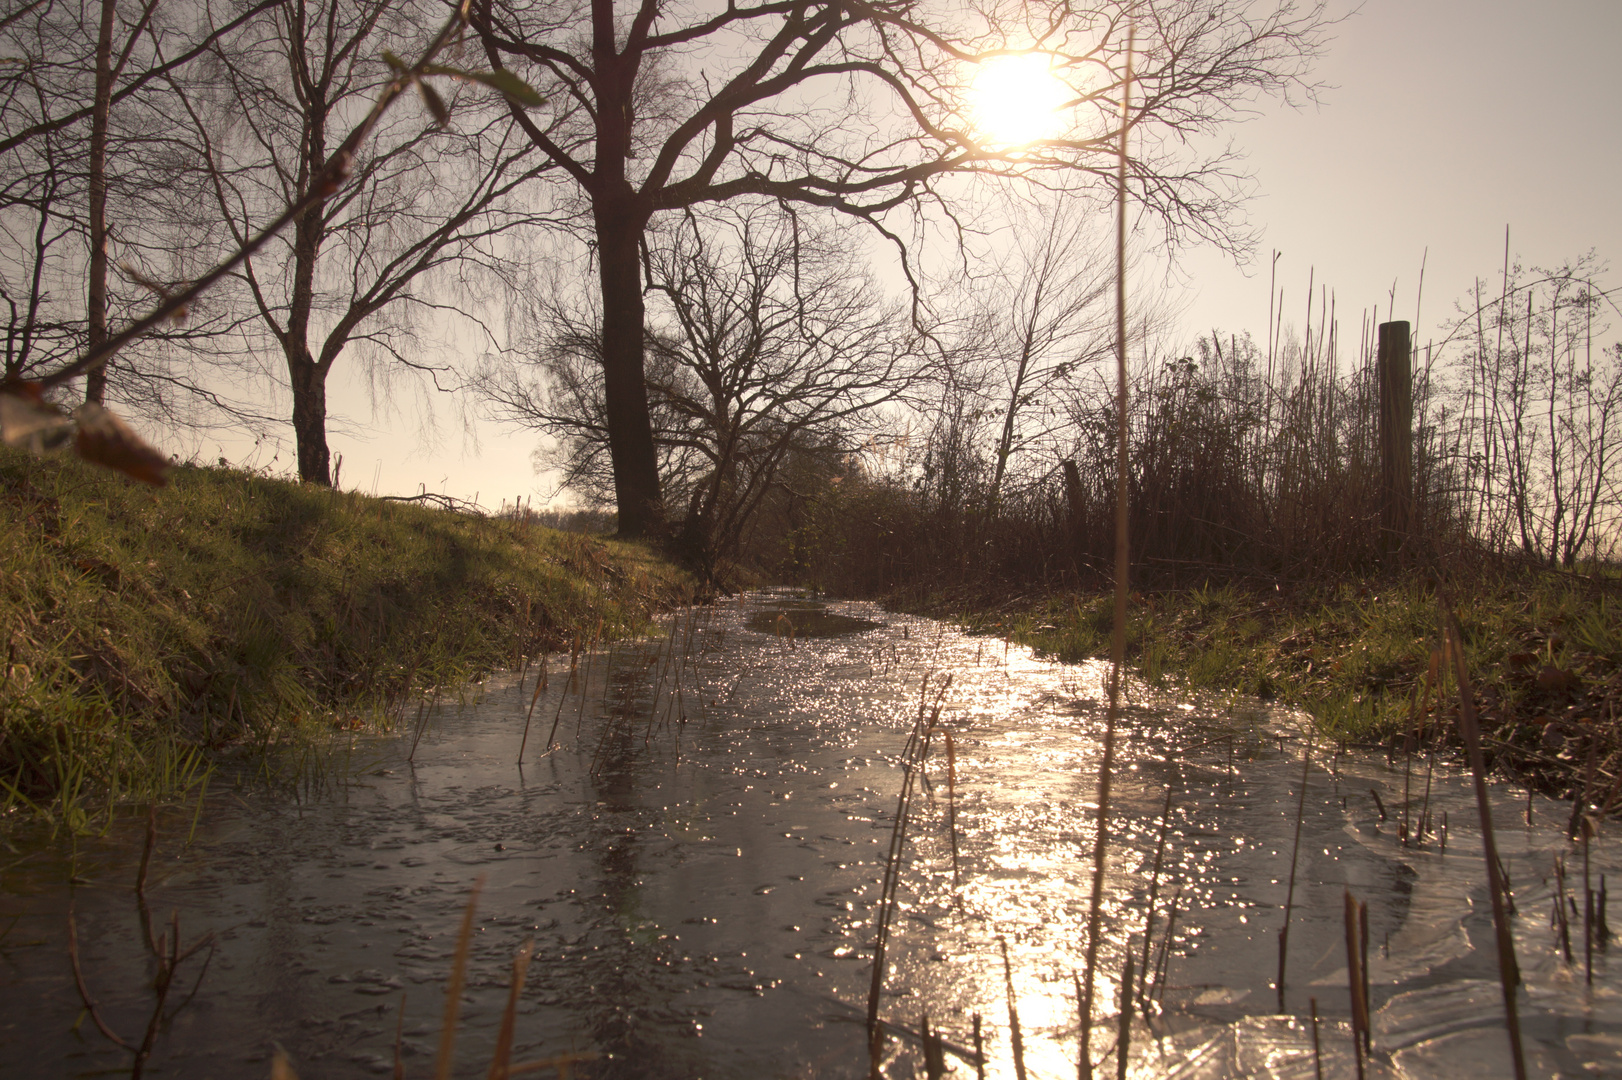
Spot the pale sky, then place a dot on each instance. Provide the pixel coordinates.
(1441, 123)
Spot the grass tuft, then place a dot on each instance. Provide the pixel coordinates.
(146, 631)
(1545, 649)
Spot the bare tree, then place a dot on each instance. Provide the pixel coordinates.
(1047, 318)
(767, 339)
(863, 109)
(423, 203)
(107, 73)
(82, 89)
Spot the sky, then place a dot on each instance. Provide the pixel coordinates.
(1440, 124)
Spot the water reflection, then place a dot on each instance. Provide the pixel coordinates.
(700, 864)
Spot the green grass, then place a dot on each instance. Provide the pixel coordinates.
(1544, 650)
(145, 630)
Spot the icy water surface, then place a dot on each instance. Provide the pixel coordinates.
(703, 893)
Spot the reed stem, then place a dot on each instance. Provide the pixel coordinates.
(1016, 1040)
(1354, 980)
(453, 989)
(1508, 971)
(1295, 854)
(1122, 571)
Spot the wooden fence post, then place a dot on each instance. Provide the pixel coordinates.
(1076, 505)
(1394, 366)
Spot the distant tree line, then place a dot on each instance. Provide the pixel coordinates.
(1252, 457)
(641, 229)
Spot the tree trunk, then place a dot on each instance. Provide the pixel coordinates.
(307, 376)
(95, 390)
(309, 380)
(620, 221)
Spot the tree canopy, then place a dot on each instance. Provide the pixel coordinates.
(865, 109)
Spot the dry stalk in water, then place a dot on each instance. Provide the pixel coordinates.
(540, 685)
(1508, 971)
(1295, 854)
(1122, 569)
(911, 760)
(1123, 1032)
(453, 989)
(1317, 1051)
(1016, 1040)
(951, 797)
(1154, 891)
(1587, 828)
(509, 1016)
(1354, 980)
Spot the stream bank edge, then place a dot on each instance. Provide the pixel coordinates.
(147, 632)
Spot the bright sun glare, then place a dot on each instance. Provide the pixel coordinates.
(1016, 100)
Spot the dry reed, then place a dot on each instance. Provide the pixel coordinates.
(1122, 570)
(453, 989)
(1295, 853)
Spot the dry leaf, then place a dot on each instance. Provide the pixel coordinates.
(1555, 680)
(177, 316)
(27, 421)
(436, 104)
(106, 440)
(280, 1068)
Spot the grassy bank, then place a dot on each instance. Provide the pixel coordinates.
(1544, 653)
(147, 630)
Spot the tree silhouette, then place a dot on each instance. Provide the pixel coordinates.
(863, 108)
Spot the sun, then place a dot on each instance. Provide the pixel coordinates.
(1016, 99)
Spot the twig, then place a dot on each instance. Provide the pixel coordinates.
(84, 992)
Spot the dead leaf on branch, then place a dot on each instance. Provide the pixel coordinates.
(435, 103)
(30, 422)
(503, 82)
(178, 316)
(106, 440)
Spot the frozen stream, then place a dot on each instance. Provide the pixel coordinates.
(703, 895)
